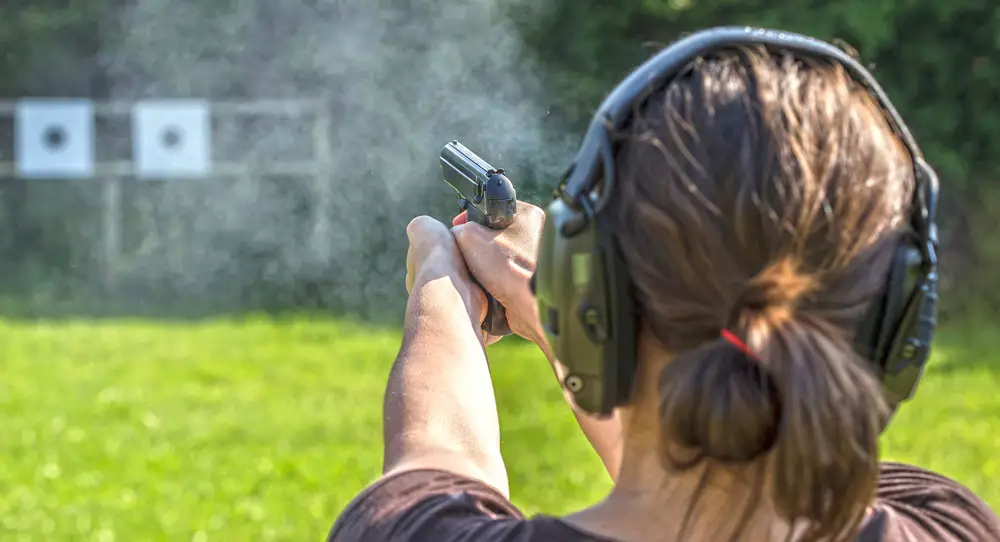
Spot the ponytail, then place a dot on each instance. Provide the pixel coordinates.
(798, 394)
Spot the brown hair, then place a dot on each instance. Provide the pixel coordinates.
(765, 194)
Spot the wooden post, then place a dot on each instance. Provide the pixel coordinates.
(112, 230)
(322, 183)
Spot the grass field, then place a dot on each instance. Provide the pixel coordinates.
(264, 429)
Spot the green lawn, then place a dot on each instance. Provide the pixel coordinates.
(263, 430)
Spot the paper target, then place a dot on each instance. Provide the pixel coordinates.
(54, 139)
(171, 139)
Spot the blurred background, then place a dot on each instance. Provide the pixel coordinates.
(201, 237)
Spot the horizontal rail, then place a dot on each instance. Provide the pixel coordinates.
(219, 169)
(291, 107)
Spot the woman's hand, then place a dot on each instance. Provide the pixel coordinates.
(434, 254)
(503, 262)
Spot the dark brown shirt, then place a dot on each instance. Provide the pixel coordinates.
(914, 505)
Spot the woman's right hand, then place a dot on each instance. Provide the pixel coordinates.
(503, 262)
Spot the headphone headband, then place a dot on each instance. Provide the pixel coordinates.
(635, 89)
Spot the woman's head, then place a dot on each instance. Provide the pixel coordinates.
(765, 194)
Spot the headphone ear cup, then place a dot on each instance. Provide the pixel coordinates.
(886, 312)
(570, 290)
(902, 323)
(620, 351)
(547, 278)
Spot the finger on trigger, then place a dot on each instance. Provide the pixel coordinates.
(462, 218)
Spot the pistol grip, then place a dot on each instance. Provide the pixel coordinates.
(495, 322)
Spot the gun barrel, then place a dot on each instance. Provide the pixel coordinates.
(464, 171)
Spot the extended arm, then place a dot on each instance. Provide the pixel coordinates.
(440, 410)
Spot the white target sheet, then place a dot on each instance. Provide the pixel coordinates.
(171, 139)
(54, 138)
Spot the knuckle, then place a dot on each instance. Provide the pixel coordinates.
(536, 215)
(424, 225)
(461, 233)
(415, 223)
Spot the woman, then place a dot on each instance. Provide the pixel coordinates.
(767, 188)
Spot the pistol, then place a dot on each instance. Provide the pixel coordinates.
(489, 198)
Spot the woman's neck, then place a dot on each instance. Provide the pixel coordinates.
(650, 504)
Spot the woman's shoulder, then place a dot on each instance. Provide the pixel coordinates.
(914, 504)
(917, 504)
(439, 506)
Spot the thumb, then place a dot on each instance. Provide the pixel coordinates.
(412, 227)
(421, 227)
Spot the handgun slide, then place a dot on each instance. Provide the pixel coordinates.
(465, 172)
(484, 191)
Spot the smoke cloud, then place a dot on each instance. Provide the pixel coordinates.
(398, 80)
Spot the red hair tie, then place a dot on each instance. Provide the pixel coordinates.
(735, 341)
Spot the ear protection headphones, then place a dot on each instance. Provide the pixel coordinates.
(583, 290)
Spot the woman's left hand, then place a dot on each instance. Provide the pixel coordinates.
(434, 254)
